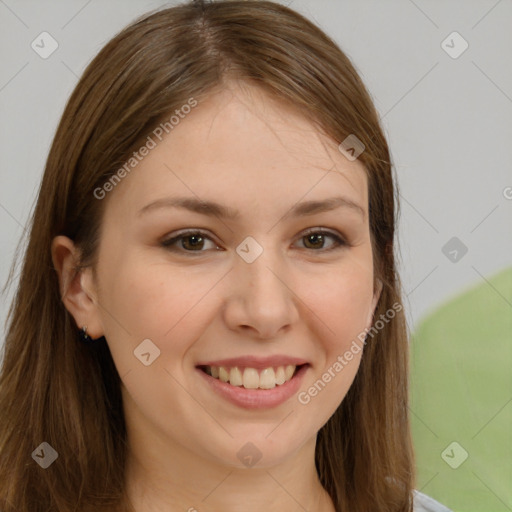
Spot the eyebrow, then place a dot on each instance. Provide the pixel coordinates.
(212, 208)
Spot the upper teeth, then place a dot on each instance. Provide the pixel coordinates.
(250, 378)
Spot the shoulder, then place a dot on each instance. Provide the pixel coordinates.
(424, 503)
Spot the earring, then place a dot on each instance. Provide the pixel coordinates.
(84, 337)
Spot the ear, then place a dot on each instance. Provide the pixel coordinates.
(376, 296)
(76, 286)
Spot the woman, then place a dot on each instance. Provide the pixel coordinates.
(209, 315)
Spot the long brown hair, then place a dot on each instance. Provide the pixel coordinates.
(56, 390)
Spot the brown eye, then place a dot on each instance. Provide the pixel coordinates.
(192, 241)
(316, 240)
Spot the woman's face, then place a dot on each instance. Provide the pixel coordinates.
(268, 279)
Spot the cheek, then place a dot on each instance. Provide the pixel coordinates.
(340, 307)
(147, 301)
(341, 301)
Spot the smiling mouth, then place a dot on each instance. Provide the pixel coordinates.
(252, 378)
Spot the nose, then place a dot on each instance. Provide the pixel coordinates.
(260, 301)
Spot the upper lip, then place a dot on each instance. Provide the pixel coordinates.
(259, 363)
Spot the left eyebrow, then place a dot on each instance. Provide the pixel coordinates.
(212, 208)
(313, 207)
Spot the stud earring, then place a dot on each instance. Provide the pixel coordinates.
(84, 337)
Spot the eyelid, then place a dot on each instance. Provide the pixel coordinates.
(325, 231)
(168, 240)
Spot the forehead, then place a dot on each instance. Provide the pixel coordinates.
(241, 147)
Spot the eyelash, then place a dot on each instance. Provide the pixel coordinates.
(339, 242)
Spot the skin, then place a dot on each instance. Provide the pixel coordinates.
(242, 149)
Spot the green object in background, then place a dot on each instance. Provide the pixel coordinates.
(461, 399)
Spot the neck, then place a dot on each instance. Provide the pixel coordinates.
(184, 482)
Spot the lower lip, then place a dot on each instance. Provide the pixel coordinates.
(256, 398)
